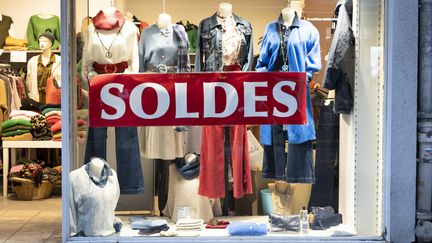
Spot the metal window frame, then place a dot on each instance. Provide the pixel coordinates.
(400, 64)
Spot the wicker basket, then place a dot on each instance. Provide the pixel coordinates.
(26, 190)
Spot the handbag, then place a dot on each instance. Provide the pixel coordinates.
(324, 218)
(256, 152)
(52, 91)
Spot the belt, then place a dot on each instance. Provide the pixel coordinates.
(234, 67)
(162, 68)
(110, 68)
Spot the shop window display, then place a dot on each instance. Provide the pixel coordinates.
(202, 180)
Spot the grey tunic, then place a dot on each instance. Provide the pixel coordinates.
(159, 47)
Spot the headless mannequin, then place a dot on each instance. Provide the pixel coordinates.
(225, 9)
(288, 15)
(298, 193)
(44, 15)
(96, 166)
(164, 21)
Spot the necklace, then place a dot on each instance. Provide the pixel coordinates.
(108, 53)
(284, 55)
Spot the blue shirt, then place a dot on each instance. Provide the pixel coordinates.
(303, 52)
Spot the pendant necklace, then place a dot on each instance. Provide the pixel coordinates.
(284, 55)
(108, 53)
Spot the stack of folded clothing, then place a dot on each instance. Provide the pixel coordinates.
(147, 226)
(16, 130)
(56, 131)
(13, 44)
(40, 129)
(22, 114)
(82, 117)
(52, 113)
(189, 224)
(31, 105)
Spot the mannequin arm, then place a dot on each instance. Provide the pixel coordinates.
(264, 57)
(248, 66)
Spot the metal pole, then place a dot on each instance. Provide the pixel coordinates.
(69, 105)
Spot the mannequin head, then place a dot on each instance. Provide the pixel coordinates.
(46, 40)
(164, 21)
(225, 9)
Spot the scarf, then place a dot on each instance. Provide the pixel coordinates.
(106, 172)
(43, 73)
(101, 22)
(183, 46)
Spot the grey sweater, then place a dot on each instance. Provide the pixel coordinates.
(92, 206)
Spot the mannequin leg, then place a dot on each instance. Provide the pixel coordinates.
(162, 182)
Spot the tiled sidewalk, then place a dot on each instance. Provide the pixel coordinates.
(30, 221)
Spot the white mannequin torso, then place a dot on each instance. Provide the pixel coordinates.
(189, 158)
(45, 15)
(225, 9)
(288, 15)
(164, 21)
(96, 166)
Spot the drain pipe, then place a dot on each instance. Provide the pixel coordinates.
(424, 126)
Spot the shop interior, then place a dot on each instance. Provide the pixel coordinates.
(165, 196)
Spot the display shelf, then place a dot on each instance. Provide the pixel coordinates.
(13, 145)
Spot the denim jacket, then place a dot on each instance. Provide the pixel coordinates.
(303, 50)
(209, 45)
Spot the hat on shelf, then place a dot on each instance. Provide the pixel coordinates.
(48, 34)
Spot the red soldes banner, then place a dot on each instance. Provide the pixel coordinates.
(181, 99)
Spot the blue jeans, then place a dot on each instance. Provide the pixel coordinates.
(324, 191)
(129, 172)
(294, 167)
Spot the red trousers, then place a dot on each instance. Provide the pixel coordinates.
(211, 178)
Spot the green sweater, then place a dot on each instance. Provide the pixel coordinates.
(14, 122)
(37, 26)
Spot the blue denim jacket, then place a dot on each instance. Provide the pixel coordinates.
(303, 49)
(209, 45)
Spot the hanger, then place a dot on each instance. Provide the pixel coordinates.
(163, 6)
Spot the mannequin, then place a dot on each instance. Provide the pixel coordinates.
(164, 21)
(43, 66)
(96, 166)
(163, 48)
(232, 35)
(93, 198)
(45, 15)
(288, 14)
(183, 192)
(291, 165)
(225, 9)
(111, 47)
(38, 24)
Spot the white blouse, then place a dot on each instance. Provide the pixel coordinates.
(123, 46)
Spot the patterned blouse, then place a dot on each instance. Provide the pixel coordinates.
(231, 40)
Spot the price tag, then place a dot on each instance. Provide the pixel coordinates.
(18, 56)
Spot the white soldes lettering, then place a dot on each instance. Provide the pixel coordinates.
(285, 99)
(181, 102)
(210, 100)
(113, 101)
(163, 100)
(250, 99)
